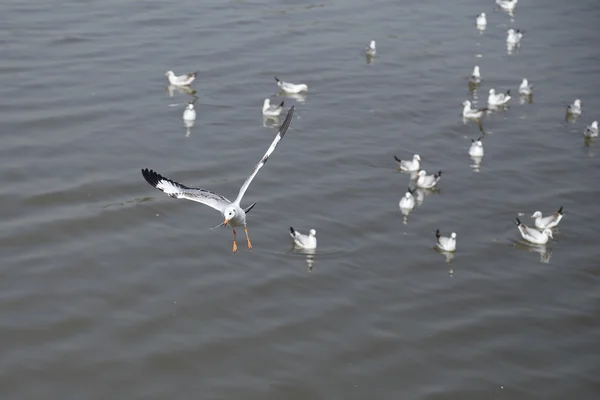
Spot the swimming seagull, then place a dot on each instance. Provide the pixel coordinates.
(592, 130)
(408, 201)
(409, 165)
(370, 50)
(468, 112)
(533, 236)
(481, 21)
(514, 37)
(232, 212)
(446, 243)
(290, 87)
(508, 5)
(189, 114)
(475, 76)
(499, 99)
(304, 241)
(575, 108)
(182, 80)
(548, 222)
(428, 181)
(476, 149)
(525, 89)
(271, 111)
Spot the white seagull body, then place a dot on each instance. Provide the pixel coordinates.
(446, 243)
(476, 149)
(189, 114)
(514, 37)
(182, 80)
(481, 21)
(271, 111)
(592, 130)
(525, 89)
(302, 241)
(498, 99)
(548, 222)
(409, 165)
(476, 75)
(290, 87)
(407, 202)
(371, 50)
(470, 113)
(575, 108)
(532, 235)
(233, 214)
(508, 5)
(428, 181)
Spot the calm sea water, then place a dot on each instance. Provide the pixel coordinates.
(112, 290)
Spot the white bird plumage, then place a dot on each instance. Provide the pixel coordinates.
(304, 241)
(271, 111)
(575, 108)
(481, 21)
(428, 181)
(189, 114)
(592, 130)
(475, 75)
(291, 87)
(498, 99)
(514, 37)
(532, 235)
(508, 5)
(371, 49)
(471, 113)
(446, 243)
(409, 165)
(182, 80)
(476, 149)
(525, 89)
(548, 222)
(233, 214)
(407, 201)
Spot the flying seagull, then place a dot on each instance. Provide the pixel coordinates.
(233, 214)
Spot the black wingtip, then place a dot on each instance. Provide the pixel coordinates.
(292, 231)
(439, 173)
(282, 103)
(411, 191)
(247, 210)
(518, 221)
(508, 92)
(276, 79)
(560, 210)
(151, 177)
(437, 233)
(287, 121)
(397, 159)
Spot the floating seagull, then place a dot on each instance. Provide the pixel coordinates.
(304, 241)
(476, 149)
(508, 5)
(271, 111)
(481, 21)
(189, 114)
(468, 112)
(182, 80)
(514, 37)
(409, 165)
(548, 222)
(533, 236)
(475, 76)
(446, 243)
(525, 89)
(232, 212)
(408, 201)
(428, 181)
(370, 50)
(499, 99)
(290, 87)
(575, 108)
(592, 130)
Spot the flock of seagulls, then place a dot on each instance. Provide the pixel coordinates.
(234, 215)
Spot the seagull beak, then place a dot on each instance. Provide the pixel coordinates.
(226, 222)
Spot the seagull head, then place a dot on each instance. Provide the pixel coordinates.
(476, 71)
(482, 15)
(422, 173)
(577, 103)
(266, 104)
(466, 103)
(303, 87)
(372, 45)
(229, 213)
(453, 235)
(416, 157)
(595, 125)
(492, 92)
(169, 73)
(548, 233)
(536, 214)
(408, 195)
(190, 106)
(312, 232)
(525, 82)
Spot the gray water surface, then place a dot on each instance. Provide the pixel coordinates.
(112, 290)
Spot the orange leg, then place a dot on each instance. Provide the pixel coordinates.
(234, 243)
(248, 238)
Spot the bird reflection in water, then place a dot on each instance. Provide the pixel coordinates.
(171, 89)
(448, 256)
(476, 163)
(271, 122)
(188, 125)
(310, 256)
(541, 249)
(299, 97)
